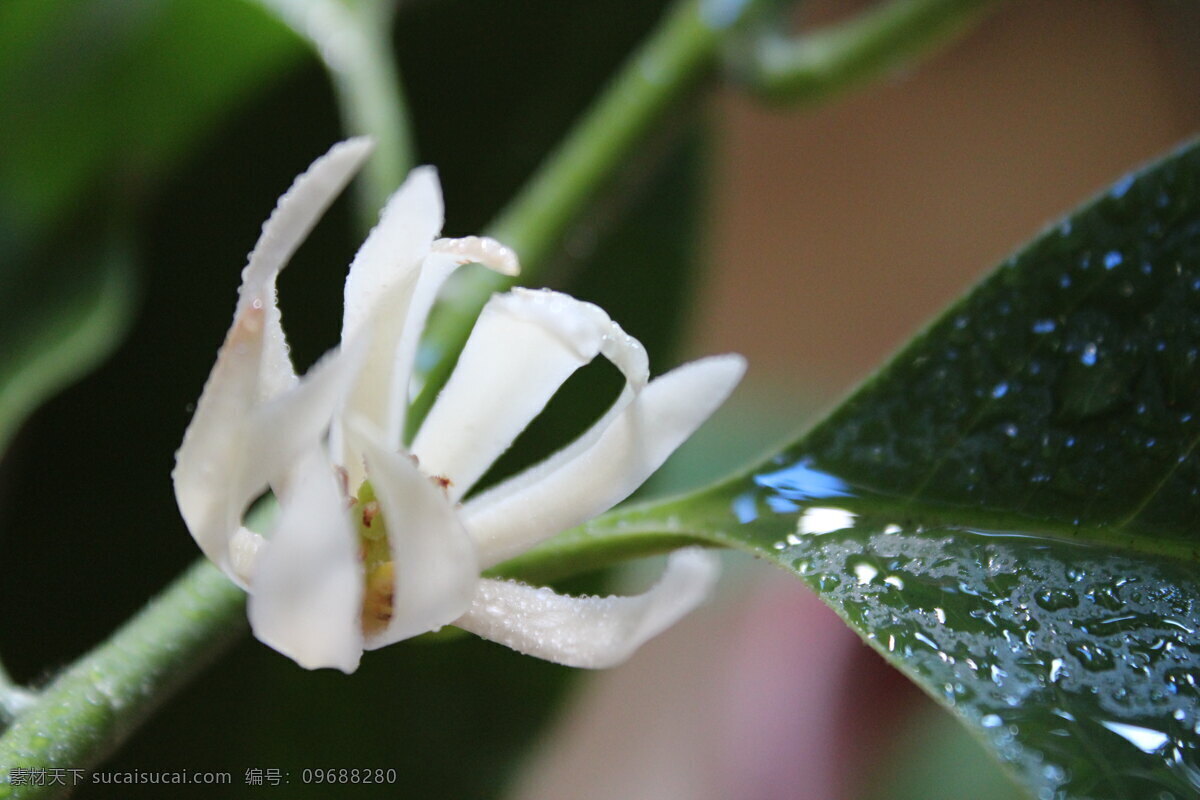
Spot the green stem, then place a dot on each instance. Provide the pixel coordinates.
(353, 39)
(372, 102)
(13, 698)
(814, 66)
(93, 706)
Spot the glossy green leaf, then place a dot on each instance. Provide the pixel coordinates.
(1010, 510)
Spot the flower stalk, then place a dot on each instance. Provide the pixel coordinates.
(13, 698)
(353, 41)
(90, 709)
(813, 66)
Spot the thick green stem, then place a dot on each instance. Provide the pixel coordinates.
(814, 66)
(13, 698)
(93, 706)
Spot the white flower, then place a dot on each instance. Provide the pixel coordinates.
(373, 545)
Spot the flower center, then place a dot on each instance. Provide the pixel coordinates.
(377, 560)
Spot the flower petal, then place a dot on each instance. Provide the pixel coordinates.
(212, 476)
(307, 584)
(282, 429)
(395, 248)
(378, 393)
(434, 565)
(236, 446)
(392, 283)
(522, 349)
(592, 632)
(294, 216)
(616, 456)
(380, 286)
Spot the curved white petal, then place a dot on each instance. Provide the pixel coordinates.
(392, 284)
(434, 272)
(209, 465)
(618, 454)
(379, 290)
(236, 446)
(307, 584)
(217, 468)
(394, 249)
(294, 216)
(521, 350)
(284, 428)
(593, 632)
(378, 393)
(434, 564)
(481, 250)
(381, 393)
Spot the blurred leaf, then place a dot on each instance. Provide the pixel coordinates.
(1010, 510)
(99, 98)
(58, 320)
(91, 87)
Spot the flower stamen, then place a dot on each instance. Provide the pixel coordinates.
(376, 556)
(378, 599)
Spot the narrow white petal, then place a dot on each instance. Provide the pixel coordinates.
(622, 451)
(388, 279)
(307, 585)
(381, 395)
(294, 216)
(236, 446)
(434, 564)
(392, 285)
(209, 475)
(214, 477)
(434, 272)
(592, 632)
(289, 425)
(521, 350)
(378, 393)
(481, 250)
(395, 248)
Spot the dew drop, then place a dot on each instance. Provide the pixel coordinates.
(1044, 326)
(1121, 187)
(865, 572)
(1054, 599)
(1147, 740)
